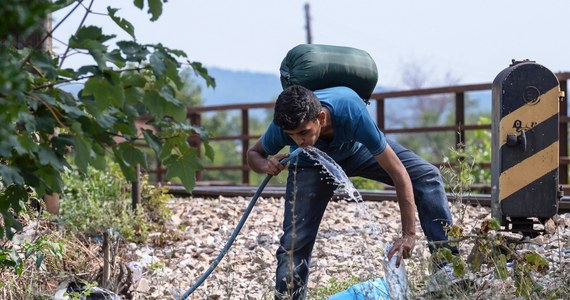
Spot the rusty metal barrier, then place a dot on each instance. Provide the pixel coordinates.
(459, 127)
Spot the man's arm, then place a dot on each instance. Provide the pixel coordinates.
(390, 162)
(258, 160)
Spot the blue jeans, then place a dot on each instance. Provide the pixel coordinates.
(308, 194)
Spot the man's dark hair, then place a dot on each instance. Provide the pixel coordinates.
(294, 106)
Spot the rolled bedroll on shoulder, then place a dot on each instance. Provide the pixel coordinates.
(315, 67)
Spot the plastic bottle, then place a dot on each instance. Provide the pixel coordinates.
(395, 277)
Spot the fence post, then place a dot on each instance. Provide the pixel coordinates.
(194, 139)
(460, 119)
(380, 109)
(244, 145)
(136, 188)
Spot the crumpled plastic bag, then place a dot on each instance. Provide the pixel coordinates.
(394, 287)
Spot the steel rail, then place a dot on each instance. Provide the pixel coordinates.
(367, 195)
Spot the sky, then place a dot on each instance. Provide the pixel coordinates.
(467, 41)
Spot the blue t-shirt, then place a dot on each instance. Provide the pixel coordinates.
(353, 128)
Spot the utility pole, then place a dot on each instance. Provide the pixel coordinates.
(308, 23)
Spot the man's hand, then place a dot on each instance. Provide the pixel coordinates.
(273, 166)
(260, 162)
(403, 247)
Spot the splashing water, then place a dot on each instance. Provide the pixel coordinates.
(395, 283)
(333, 171)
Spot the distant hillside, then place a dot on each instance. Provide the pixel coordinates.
(243, 87)
(247, 87)
(240, 87)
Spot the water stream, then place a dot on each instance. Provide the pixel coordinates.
(333, 171)
(395, 277)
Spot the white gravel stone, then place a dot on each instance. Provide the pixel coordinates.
(350, 243)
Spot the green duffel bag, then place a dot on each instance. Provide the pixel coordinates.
(322, 66)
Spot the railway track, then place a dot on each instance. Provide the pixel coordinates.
(367, 195)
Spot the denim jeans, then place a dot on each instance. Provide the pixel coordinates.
(308, 194)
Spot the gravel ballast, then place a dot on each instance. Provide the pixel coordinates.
(350, 243)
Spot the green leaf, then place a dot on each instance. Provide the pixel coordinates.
(133, 98)
(26, 144)
(134, 84)
(495, 224)
(201, 131)
(59, 4)
(47, 157)
(39, 259)
(82, 153)
(106, 93)
(536, 260)
(73, 111)
(128, 130)
(98, 162)
(455, 231)
(209, 151)
(89, 69)
(155, 9)
(116, 58)
(173, 74)
(203, 72)
(133, 79)
(128, 170)
(133, 51)
(91, 38)
(29, 251)
(132, 155)
(162, 103)
(107, 120)
(123, 23)
(44, 63)
(87, 34)
(12, 196)
(168, 148)
(184, 167)
(61, 143)
(156, 61)
(152, 140)
(153, 105)
(476, 260)
(139, 3)
(10, 175)
(9, 223)
(501, 270)
(458, 266)
(67, 73)
(171, 106)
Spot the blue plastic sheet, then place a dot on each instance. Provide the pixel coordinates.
(394, 287)
(373, 289)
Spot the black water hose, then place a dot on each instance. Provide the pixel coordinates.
(230, 241)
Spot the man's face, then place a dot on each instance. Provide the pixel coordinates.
(306, 134)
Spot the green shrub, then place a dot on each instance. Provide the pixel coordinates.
(98, 200)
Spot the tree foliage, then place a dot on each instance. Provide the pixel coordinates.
(43, 125)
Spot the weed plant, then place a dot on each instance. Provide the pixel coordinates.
(492, 264)
(53, 250)
(100, 200)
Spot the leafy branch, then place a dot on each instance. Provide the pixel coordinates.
(44, 125)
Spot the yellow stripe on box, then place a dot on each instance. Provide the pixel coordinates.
(528, 170)
(539, 112)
